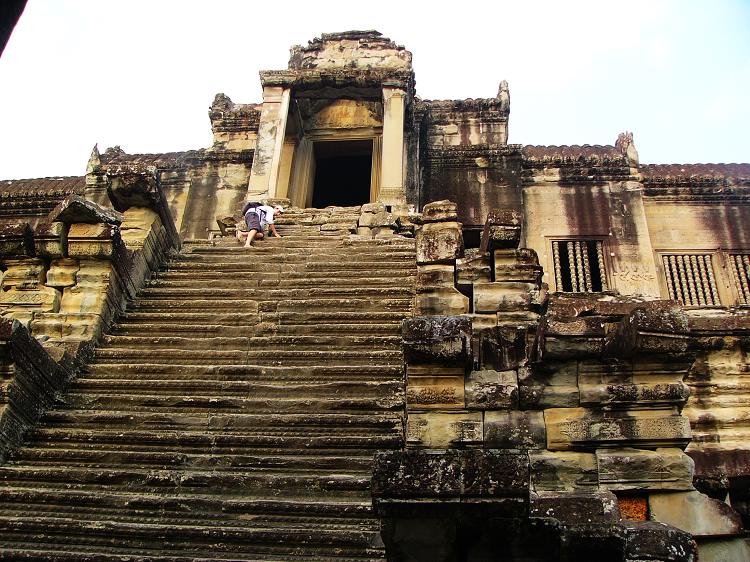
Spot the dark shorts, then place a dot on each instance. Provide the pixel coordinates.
(253, 221)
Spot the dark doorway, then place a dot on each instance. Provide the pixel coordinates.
(342, 173)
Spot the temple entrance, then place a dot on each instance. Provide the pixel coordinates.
(343, 173)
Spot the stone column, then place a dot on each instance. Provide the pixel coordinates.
(377, 159)
(303, 174)
(392, 176)
(267, 159)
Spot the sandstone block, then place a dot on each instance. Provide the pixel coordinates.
(452, 473)
(563, 470)
(516, 256)
(634, 394)
(62, 273)
(90, 240)
(16, 240)
(473, 267)
(489, 390)
(725, 550)
(637, 469)
(443, 430)
(504, 347)
(373, 208)
(493, 297)
(434, 276)
(39, 299)
(695, 513)
(440, 211)
(93, 273)
(81, 299)
(502, 229)
(576, 508)
(437, 339)
(441, 301)
(48, 239)
(514, 429)
(441, 392)
(439, 242)
(522, 273)
(364, 231)
(27, 272)
(580, 428)
(69, 327)
(549, 386)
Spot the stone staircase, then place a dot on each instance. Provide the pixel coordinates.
(231, 414)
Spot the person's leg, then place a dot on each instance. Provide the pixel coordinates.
(250, 238)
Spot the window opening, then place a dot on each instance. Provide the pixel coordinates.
(579, 266)
(740, 266)
(690, 279)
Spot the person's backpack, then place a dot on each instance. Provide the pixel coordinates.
(251, 205)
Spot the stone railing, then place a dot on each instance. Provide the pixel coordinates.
(64, 282)
(523, 408)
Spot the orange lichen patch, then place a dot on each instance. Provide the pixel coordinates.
(634, 508)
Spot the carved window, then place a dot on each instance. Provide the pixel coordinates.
(739, 265)
(690, 279)
(579, 266)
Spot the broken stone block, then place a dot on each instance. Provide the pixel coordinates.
(28, 273)
(439, 243)
(38, 299)
(373, 208)
(452, 473)
(439, 392)
(77, 209)
(637, 469)
(90, 240)
(473, 267)
(81, 299)
(69, 327)
(514, 429)
(723, 550)
(137, 225)
(440, 211)
(563, 470)
(489, 390)
(443, 430)
(493, 297)
(650, 540)
(695, 513)
(62, 273)
(577, 508)
(504, 347)
(437, 339)
(364, 231)
(520, 273)
(434, 276)
(49, 239)
(447, 301)
(580, 428)
(654, 327)
(631, 394)
(16, 240)
(515, 256)
(502, 229)
(549, 385)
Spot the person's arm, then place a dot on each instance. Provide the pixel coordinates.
(273, 229)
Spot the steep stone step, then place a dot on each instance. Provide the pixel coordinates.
(227, 403)
(253, 329)
(256, 343)
(271, 294)
(308, 422)
(280, 357)
(166, 305)
(309, 372)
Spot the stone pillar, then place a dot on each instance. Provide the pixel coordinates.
(392, 176)
(303, 174)
(267, 159)
(377, 163)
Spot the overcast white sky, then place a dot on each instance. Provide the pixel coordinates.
(142, 73)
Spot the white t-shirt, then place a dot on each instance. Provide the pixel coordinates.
(265, 213)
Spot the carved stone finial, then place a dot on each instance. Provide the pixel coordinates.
(627, 147)
(222, 102)
(503, 94)
(95, 162)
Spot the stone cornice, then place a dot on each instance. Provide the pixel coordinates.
(361, 82)
(474, 156)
